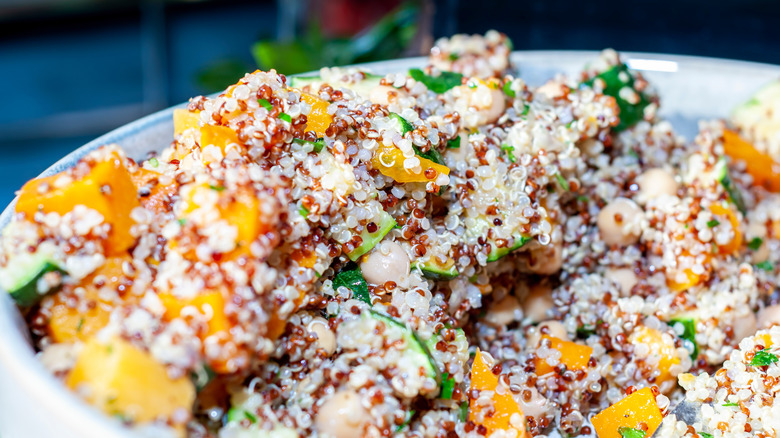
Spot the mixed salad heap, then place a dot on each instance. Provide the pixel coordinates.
(440, 252)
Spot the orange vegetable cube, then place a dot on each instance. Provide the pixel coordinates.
(574, 356)
(661, 349)
(736, 242)
(159, 198)
(67, 324)
(390, 162)
(107, 188)
(764, 170)
(183, 119)
(219, 136)
(504, 405)
(318, 119)
(636, 411)
(207, 303)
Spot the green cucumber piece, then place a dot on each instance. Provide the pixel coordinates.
(615, 78)
(497, 253)
(384, 225)
(435, 271)
(416, 350)
(722, 175)
(302, 81)
(21, 276)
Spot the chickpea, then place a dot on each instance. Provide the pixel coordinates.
(385, 95)
(342, 416)
(618, 222)
(480, 105)
(623, 277)
(504, 311)
(326, 339)
(768, 316)
(554, 329)
(746, 325)
(654, 183)
(546, 260)
(386, 262)
(538, 302)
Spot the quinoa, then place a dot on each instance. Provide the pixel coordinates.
(335, 255)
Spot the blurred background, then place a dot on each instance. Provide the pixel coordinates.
(72, 70)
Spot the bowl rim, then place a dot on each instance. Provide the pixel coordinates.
(17, 356)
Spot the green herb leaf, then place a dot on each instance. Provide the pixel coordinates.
(763, 358)
(182, 221)
(689, 334)
(508, 89)
(562, 181)
(153, 161)
(705, 435)
(730, 404)
(303, 211)
(509, 151)
(464, 411)
(447, 386)
(733, 191)
(80, 325)
(351, 278)
(202, 376)
(526, 107)
(766, 265)
(405, 125)
(454, 56)
(454, 143)
(406, 422)
(265, 104)
(615, 78)
(755, 243)
(217, 188)
(433, 154)
(583, 198)
(438, 84)
(286, 117)
(630, 432)
(713, 223)
(585, 331)
(237, 414)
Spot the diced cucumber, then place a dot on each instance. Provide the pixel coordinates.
(436, 271)
(416, 350)
(22, 275)
(497, 253)
(385, 223)
(722, 175)
(759, 116)
(615, 78)
(302, 81)
(362, 88)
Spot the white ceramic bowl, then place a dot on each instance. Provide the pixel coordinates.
(34, 404)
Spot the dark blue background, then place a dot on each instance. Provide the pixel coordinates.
(71, 74)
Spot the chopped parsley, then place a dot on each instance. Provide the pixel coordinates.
(705, 435)
(454, 56)
(80, 325)
(217, 188)
(526, 107)
(766, 265)
(447, 386)
(153, 161)
(615, 78)
(713, 223)
(202, 376)
(182, 221)
(406, 422)
(508, 89)
(689, 334)
(630, 432)
(316, 145)
(236, 414)
(730, 404)
(265, 104)
(562, 181)
(509, 152)
(438, 84)
(454, 143)
(464, 411)
(303, 211)
(352, 278)
(763, 358)
(585, 331)
(583, 198)
(755, 243)
(286, 117)
(404, 124)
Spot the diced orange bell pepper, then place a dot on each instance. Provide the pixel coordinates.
(661, 349)
(736, 242)
(504, 404)
(692, 279)
(207, 303)
(184, 119)
(159, 199)
(764, 170)
(67, 324)
(390, 162)
(107, 188)
(318, 119)
(305, 259)
(636, 411)
(219, 136)
(574, 356)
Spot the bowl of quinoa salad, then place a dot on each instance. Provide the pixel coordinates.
(477, 243)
